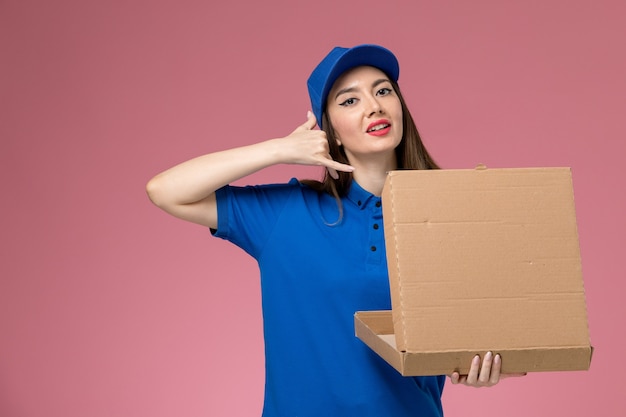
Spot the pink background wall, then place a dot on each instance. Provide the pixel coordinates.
(108, 307)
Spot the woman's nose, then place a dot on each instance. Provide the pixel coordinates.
(374, 107)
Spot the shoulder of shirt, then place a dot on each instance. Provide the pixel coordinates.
(293, 183)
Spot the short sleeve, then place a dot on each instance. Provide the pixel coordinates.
(247, 215)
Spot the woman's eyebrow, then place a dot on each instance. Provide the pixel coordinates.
(345, 90)
(380, 81)
(353, 89)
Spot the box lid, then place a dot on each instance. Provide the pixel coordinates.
(489, 252)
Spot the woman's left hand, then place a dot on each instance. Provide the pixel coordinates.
(486, 374)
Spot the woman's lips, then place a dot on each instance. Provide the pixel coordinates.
(379, 127)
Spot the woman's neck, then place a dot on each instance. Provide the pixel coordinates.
(371, 175)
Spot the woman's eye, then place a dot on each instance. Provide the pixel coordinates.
(383, 91)
(348, 102)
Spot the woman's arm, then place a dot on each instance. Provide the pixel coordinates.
(187, 190)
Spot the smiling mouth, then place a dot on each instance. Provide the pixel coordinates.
(379, 127)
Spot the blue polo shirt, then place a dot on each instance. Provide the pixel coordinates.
(316, 272)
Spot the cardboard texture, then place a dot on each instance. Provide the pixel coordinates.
(481, 260)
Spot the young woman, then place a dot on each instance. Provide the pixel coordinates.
(320, 245)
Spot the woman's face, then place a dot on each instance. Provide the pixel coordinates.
(366, 114)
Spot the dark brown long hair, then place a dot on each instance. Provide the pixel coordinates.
(410, 154)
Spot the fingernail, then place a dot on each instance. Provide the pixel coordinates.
(488, 356)
(308, 114)
(497, 359)
(476, 360)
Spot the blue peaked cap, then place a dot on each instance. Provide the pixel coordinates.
(338, 61)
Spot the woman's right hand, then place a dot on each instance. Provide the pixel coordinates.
(309, 146)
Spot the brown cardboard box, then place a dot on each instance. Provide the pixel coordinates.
(481, 260)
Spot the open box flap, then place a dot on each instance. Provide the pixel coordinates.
(484, 259)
